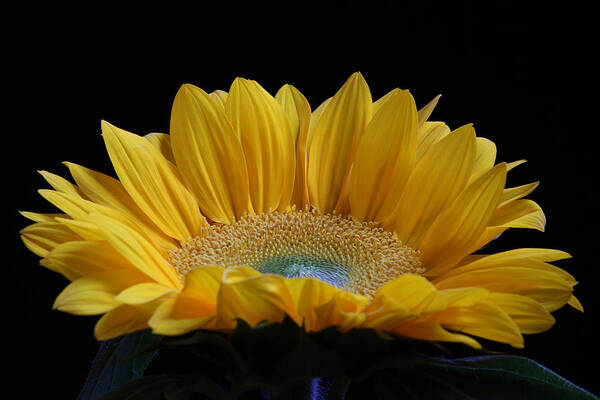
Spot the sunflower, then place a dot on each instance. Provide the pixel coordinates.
(254, 207)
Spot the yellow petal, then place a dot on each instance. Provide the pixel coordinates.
(162, 142)
(463, 297)
(451, 235)
(297, 109)
(143, 293)
(310, 294)
(71, 276)
(485, 157)
(432, 330)
(109, 192)
(434, 183)
(575, 303)
(381, 101)
(204, 283)
(254, 297)
(43, 237)
(41, 217)
(87, 257)
(520, 214)
(529, 315)
(268, 144)
(385, 314)
(546, 287)
(86, 296)
(515, 193)
(209, 155)
(524, 257)
(384, 159)
(334, 142)
(402, 300)
(162, 322)
(219, 97)
(343, 311)
(137, 250)
(429, 134)
(514, 164)
(85, 229)
(194, 307)
(425, 112)
(489, 234)
(120, 321)
(415, 292)
(315, 117)
(60, 184)
(153, 183)
(73, 205)
(484, 319)
(79, 209)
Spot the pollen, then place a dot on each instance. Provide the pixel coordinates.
(355, 256)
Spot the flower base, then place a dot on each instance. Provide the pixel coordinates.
(282, 361)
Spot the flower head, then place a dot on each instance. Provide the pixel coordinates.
(356, 214)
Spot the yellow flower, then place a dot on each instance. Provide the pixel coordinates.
(356, 214)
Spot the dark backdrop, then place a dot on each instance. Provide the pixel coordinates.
(507, 69)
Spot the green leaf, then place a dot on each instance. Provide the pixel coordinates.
(119, 361)
(492, 377)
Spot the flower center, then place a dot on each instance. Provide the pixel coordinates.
(355, 256)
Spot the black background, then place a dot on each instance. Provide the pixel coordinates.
(509, 70)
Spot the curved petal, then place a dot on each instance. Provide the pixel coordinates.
(137, 250)
(343, 310)
(529, 315)
(308, 295)
(524, 257)
(153, 183)
(484, 319)
(109, 192)
(162, 142)
(86, 296)
(209, 155)
(435, 182)
(315, 117)
(381, 101)
(515, 193)
(451, 235)
(297, 109)
(432, 330)
(485, 157)
(413, 291)
(194, 307)
(42, 217)
(42, 237)
(520, 214)
(120, 321)
(401, 301)
(334, 143)
(219, 97)
(429, 134)
(575, 303)
(86, 258)
(254, 297)
(268, 144)
(546, 287)
(143, 293)
(425, 112)
(384, 159)
(163, 323)
(60, 184)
